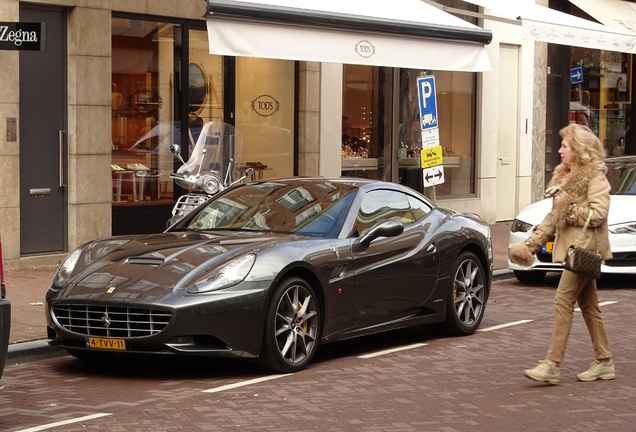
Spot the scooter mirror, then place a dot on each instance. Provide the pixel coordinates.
(175, 149)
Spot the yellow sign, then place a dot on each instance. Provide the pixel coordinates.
(431, 156)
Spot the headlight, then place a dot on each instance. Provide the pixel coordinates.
(229, 275)
(66, 269)
(520, 226)
(210, 184)
(628, 228)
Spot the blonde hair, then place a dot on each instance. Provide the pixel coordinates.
(586, 147)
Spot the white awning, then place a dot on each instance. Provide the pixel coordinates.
(619, 14)
(396, 33)
(548, 25)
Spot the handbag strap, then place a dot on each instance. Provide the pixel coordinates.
(585, 225)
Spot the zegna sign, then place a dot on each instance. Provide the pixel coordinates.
(16, 36)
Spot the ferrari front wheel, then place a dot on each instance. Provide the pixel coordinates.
(467, 296)
(292, 327)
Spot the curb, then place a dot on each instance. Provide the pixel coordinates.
(23, 352)
(502, 274)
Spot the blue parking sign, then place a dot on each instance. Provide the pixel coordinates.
(428, 101)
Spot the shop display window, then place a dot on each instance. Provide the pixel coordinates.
(143, 122)
(601, 99)
(375, 146)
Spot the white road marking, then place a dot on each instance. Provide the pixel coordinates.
(244, 383)
(600, 304)
(390, 351)
(65, 422)
(497, 327)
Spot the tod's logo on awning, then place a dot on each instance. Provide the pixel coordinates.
(22, 36)
(365, 49)
(265, 105)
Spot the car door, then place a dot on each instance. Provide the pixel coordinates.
(394, 276)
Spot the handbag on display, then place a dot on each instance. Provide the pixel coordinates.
(584, 262)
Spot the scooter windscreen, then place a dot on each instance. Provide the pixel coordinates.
(215, 158)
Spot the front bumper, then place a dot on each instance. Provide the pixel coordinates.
(227, 323)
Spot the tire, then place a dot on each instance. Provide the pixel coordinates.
(529, 277)
(292, 327)
(467, 296)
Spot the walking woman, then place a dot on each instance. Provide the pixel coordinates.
(579, 187)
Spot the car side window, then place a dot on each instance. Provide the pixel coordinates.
(380, 205)
(419, 207)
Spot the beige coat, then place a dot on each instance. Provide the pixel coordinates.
(583, 189)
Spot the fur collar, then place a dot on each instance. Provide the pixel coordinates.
(573, 184)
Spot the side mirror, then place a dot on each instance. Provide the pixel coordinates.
(175, 149)
(390, 228)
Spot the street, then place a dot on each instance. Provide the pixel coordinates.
(409, 380)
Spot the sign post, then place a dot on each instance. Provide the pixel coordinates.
(431, 156)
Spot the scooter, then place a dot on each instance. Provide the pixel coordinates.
(212, 154)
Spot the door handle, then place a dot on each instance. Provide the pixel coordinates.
(504, 161)
(62, 165)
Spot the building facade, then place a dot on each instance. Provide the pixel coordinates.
(87, 122)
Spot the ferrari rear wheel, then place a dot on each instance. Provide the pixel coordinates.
(468, 296)
(292, 327)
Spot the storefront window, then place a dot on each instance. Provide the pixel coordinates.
(366, 122)
(368, 128)
(601, 99)
(142, 111)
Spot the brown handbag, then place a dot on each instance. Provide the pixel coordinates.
(584, 262)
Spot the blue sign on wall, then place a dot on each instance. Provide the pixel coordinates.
(428, 102)
(576, 75)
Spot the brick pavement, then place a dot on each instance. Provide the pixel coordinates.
(27, 287)
(470, 384)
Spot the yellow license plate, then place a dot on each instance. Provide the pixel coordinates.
(548, 247)
(105, 343)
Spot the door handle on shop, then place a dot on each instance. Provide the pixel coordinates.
(60, 143)
(504, 161)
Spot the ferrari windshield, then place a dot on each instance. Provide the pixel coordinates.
(311, 208)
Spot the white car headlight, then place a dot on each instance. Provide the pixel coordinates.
(520, 226)
(627, 228)
(66, 268)
(229, 275)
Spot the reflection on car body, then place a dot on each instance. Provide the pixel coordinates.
(270, 270)
(621, 222)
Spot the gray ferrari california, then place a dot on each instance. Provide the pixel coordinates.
(272, 269)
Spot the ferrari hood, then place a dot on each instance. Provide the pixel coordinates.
(146, 268)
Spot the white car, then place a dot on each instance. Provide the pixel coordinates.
(622, 226)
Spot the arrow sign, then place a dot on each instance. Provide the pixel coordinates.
(576, 75)
(433, 176)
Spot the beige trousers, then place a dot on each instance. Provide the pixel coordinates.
(572, 289)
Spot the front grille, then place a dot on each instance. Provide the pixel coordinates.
(622, 259)
(109, 321)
